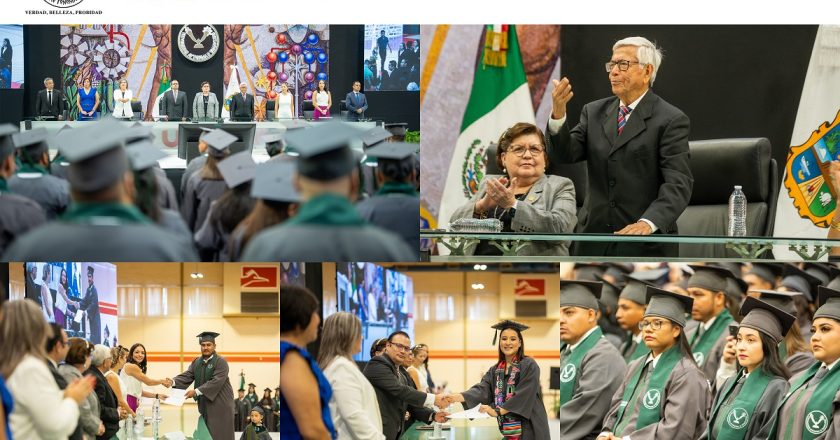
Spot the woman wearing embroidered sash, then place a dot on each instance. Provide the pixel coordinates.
(809, 411)
(745, 406)
(664, 395)
(510, 390)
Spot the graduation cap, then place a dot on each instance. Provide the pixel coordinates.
(818, 270)
(397, 128)
(96, 155)
(829, 302)
(619, 272)
(238, 168)
(506, 324)
(219, 141)
(274, 144)
(267, 389)
(325, 150)
(587, 271)
(6, 145)
(654, 276)
(710, 278)
(273, 182)
(374, 136)
(34, 141)
(252, 385)
(769, 272)
(241, 389)
(204, 132)
(835, 278)
(580, 294)
(399, 154)
(800, 281)
(766, 318)
(736, 288)
(143, 155)
(779, 299)
(138, 132)
(733, 267)
(207, 337)
(665, 304)
(258, 409)
(635, 290)
(609, 294)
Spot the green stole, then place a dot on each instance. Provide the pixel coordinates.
(252, 430)
(327, 210)
(203, 372)
(4, 186)
(31, 168)
(397, 188)
(735, 422)
(707, 340)
(649, 412)
(571, 366)
(640, 350)
(820, 407)
(124, 214)
(782, 351)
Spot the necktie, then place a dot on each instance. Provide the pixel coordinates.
(623, 111)
(49, 96)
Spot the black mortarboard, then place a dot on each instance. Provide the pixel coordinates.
(238, 168)
(35, 141)
(397, 128)
(819, 271)
(96, 155)
(252, 385)
(829, 302)
(90, 270)
(207, 337)
(587, 271)
(710, 278)
(800, 281)
(766, 318)
(274, 143)
(324, 150)
(580, 294)
(6, 145)
(143, 155)
(635, 290)
(655, 276)
(374, 136)
(609, 294)
(779, 299)
(219, 141)
(273, 182)
(241, 389)
(267, 389)
(506, 324)
(769, 272)
(665, 304)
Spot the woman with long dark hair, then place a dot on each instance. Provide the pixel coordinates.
(322, 101)
(208, 184)
(143, 158)
(134, 377)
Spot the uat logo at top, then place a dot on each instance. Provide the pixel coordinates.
(62, 3)
(259, 277)
(529, 287)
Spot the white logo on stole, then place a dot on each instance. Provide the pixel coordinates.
(568, 373)
(737, 418)
(698, 358)
(651, 399)
(816, 422)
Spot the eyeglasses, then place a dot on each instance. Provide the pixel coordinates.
(654, 325)
(623, 65)
(519, 150)
(400, 346)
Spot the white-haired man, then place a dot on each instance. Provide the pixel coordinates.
(636, 148)
(242, 105)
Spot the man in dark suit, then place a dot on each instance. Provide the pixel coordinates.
(50, 102)
(175, 105)
(636, 148)
(109, 410)
(395, 396)
(356, 103)
(242, 105)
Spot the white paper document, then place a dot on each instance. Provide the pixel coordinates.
(472, 413)
(176, 397)
(80, 315)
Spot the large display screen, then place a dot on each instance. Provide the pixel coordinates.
(11, 56)
(392, 57)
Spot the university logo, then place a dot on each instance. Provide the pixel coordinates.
(568, 373)
(737, 418)
(699, 358)
(474, 168)
(651, 399)
(807, 178)
(816, 422)
(62, 4)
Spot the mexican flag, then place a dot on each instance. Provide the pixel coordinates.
(163, 88)
(232, 89)
(498, 99)
(807, 202)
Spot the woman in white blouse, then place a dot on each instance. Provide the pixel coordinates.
(122, 101)
(41, 410)
(284, 104)
(354, 408)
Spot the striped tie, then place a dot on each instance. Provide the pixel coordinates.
(623, 111)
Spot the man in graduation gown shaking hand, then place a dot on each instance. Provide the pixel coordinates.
(211, 388)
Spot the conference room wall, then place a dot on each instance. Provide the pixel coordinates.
(731, 81)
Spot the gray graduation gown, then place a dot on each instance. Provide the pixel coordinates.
(393, 212)
(192, 167)
(242, 410)
(172, 221)
(18, 215)
(63, 241)
(216, 401)
(799, 362)
(52, 193)
(166, 191)
(597, 380)
(210, 238)
(763, 416)
(712, 361)
(683, 412)
(527, 402)
(286, 242)
(200, 194)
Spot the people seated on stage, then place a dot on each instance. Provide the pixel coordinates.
(242, 105)
(205, 105)
(174, 103)
(143, 158)
(356, 103)
(76, 363)
(110, 411)
(208, 184)
(322, 101)
(101, 224)
(33, 179)
(284, 103)
(122, 101)
(18, 214)
(87, 101)
(524, 199)
(50, 102)
(256, 429)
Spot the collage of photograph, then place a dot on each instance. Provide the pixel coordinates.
(206, 229)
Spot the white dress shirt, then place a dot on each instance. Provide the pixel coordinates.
(122, 108)
(354, 408)
(41, 412)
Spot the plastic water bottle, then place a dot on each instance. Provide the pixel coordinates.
(139, 424)
(155, 418)
(129, 428)
(737, 213)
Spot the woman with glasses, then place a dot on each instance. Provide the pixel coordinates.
(524, 199)
(664, 395)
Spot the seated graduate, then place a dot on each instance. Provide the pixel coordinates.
(207, 184)
(33, 179)
(18, 214)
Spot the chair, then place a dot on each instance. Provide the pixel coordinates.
(717, 166)
(269, 109)
(137, 109)
(308, 109)
(342, 108)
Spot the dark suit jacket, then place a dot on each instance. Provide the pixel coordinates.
(242, 109)
(393, 395)
(352, 103)
(43, 107)
(175, 108)
(108, 412)
(642, 173)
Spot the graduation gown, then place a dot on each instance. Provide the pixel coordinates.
(527, 401)
(596, 381)
(684, 409)
(18, 215)
(392, 212)
(242, 409)
(216, 400)
(90, 304)
(166, 191)
(799, 362)
(268, 409)
(52, 193)
(172, 221)
(764, 414)
(192, 167)
(197, 199)
(712, 361)
(211, 241)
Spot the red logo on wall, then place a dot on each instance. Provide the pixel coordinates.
(258, 277)
(529, 287)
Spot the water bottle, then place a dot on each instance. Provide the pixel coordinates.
(737, 213)
(139, 424)
(129, 427)
(155, 418)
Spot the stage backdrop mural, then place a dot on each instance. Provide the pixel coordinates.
(142, 54)
(266, 56)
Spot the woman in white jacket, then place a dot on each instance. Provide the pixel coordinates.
(354, 408)
(41, 410)
(122, 101)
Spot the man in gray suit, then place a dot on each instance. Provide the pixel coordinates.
(636, 148)
(174, 102)
(356, 103)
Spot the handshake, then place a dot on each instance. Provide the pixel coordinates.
(443, 400)
(167, 382)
